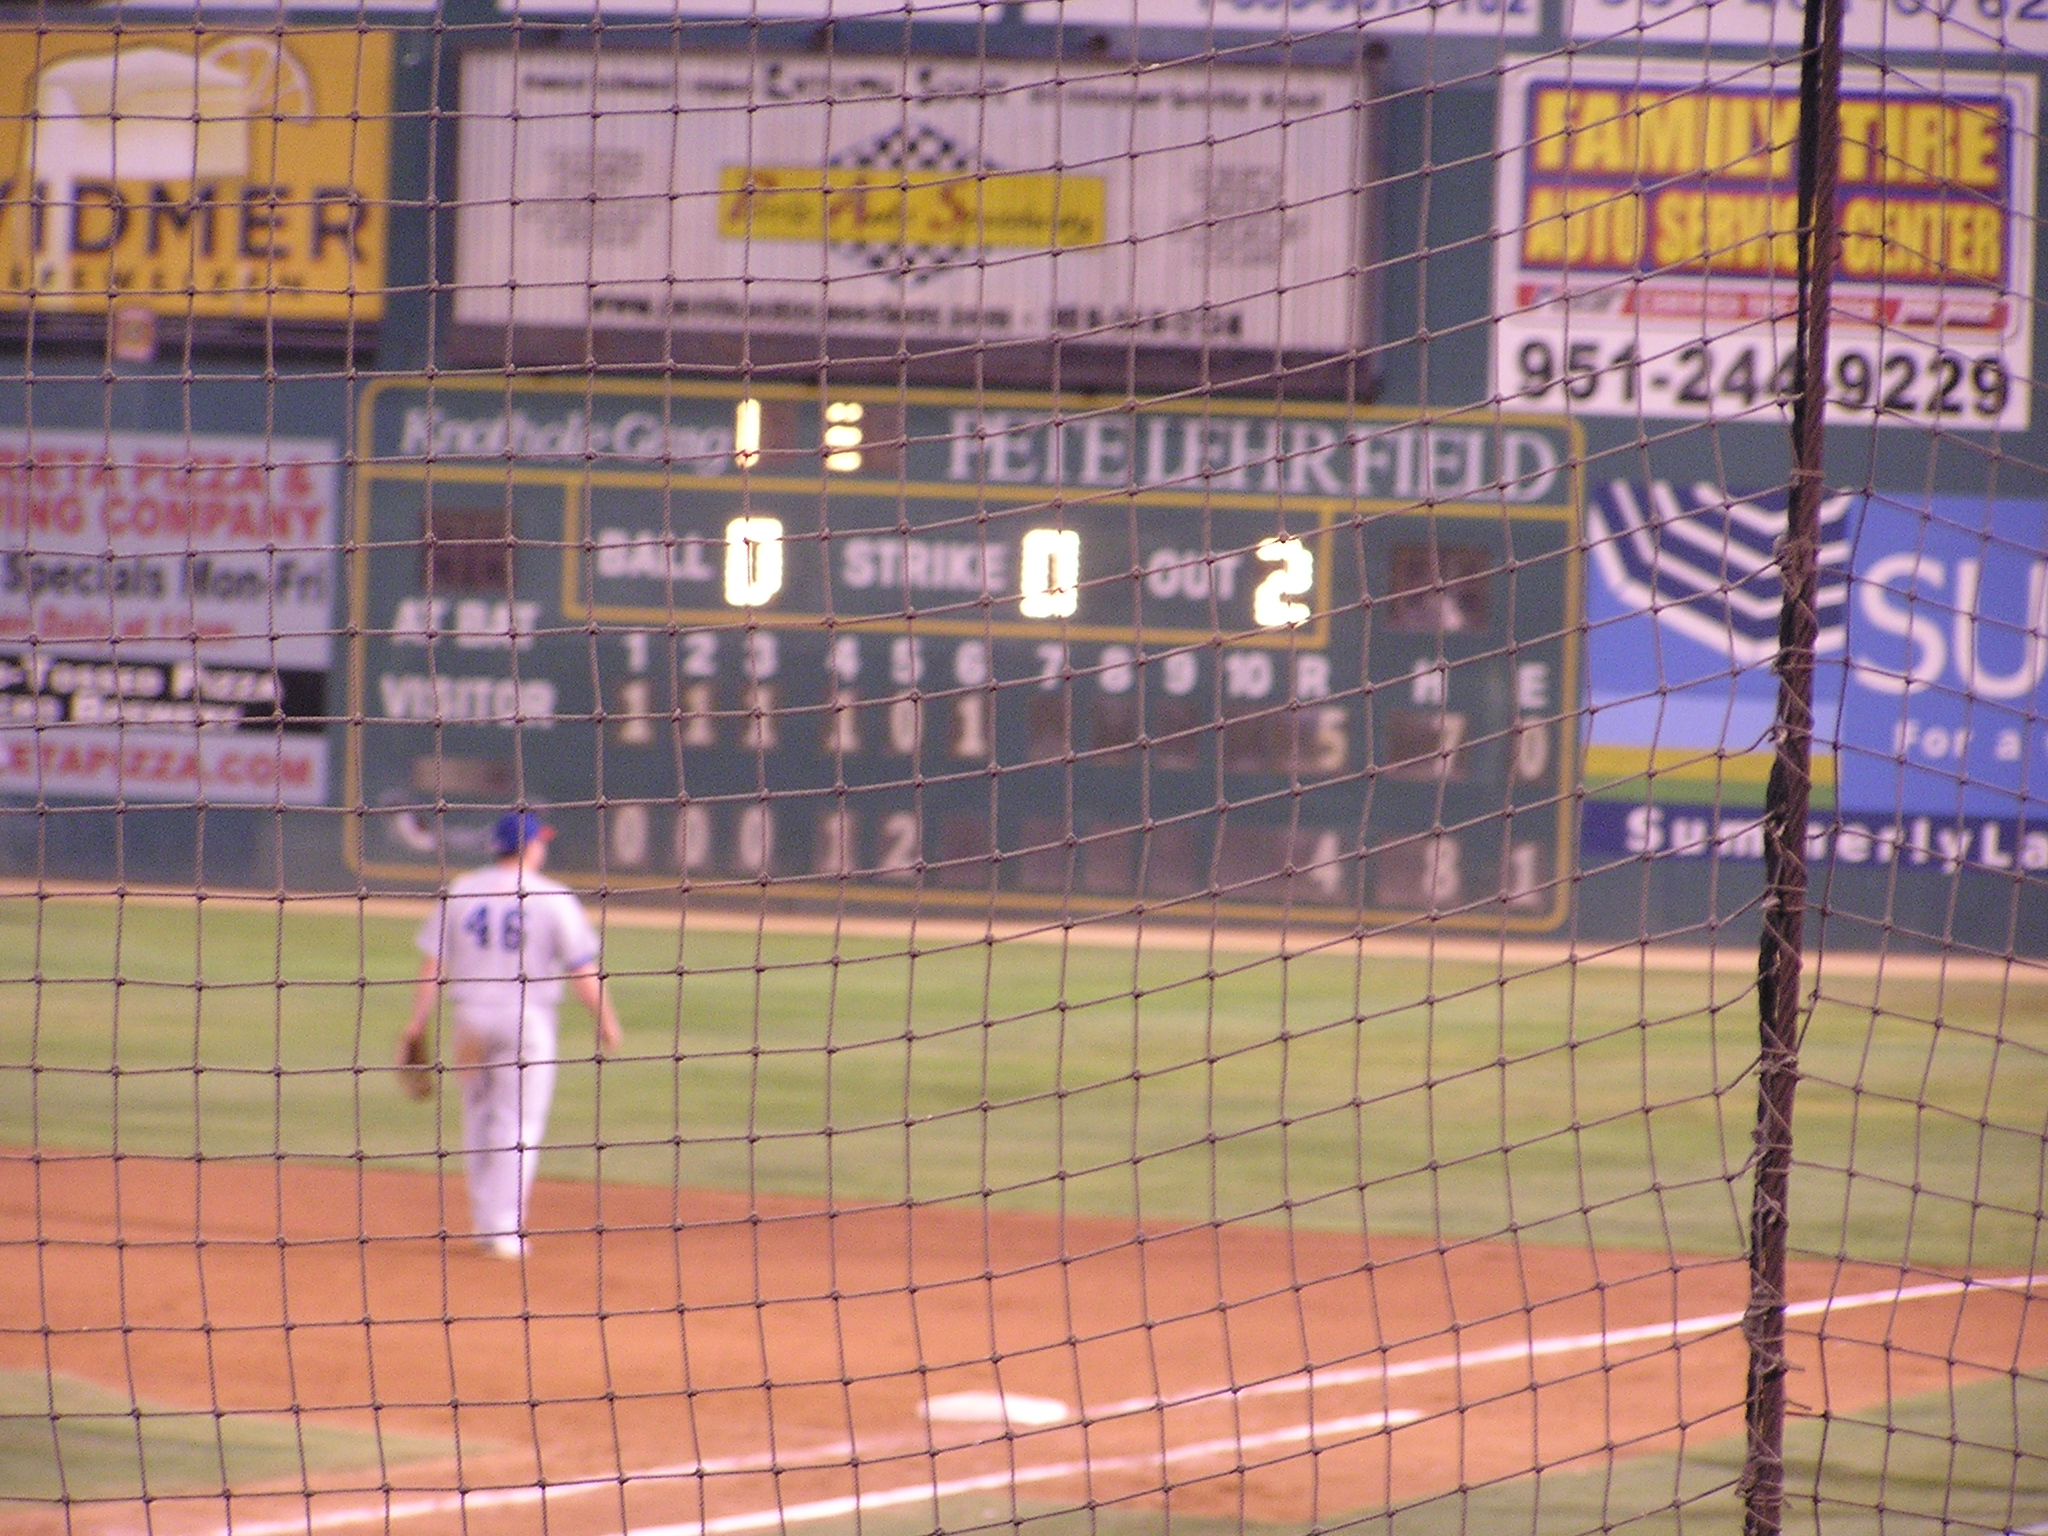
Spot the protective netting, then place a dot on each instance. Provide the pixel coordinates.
(1060, 723)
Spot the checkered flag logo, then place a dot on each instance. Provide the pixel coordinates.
(909, 147)
(1704, 563)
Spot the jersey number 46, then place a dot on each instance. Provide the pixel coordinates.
(510, 930)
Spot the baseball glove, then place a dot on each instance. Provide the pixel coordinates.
(415, 1071)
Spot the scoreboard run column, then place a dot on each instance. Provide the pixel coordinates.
(1000, 652)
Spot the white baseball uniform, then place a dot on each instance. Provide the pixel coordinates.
(503, 941)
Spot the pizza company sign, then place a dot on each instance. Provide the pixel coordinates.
(206, 174)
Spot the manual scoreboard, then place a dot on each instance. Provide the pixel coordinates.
(1027, 652)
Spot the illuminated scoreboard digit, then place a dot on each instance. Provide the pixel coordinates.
(963, 550)
(1046, 652)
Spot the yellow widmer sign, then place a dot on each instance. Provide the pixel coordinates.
(877, 205)
(219, 175)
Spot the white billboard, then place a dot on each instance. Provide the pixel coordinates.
(1869, 27)
(915, 202)
(1304, 18)
(1297, 18)
(767, 10)
(1648, 260)
(166, 616)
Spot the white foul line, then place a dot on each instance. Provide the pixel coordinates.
(816, 1458)
(813, 1458)
(1538, 1349)
(918, 1493)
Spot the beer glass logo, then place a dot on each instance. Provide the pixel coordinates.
(148, 124)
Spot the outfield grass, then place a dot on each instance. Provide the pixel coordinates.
(1573, 1104)
(66, 1439)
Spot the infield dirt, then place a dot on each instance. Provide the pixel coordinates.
(736, 1357)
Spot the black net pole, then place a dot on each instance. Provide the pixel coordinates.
(1785, 809)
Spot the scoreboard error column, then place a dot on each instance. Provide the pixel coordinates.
(1021, 651)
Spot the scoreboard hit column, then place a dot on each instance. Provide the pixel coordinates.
(1011, 652)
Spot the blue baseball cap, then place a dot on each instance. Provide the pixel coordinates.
(515, 829)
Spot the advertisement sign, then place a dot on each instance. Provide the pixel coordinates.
(200, 174)
(1299, 18)
(1305, 18)
(1649, 262)
(920, 203)
(1931, 693)
(166, 616)
(2018, 27)
(969, 11)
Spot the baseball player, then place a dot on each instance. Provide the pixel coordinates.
(503, 941)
